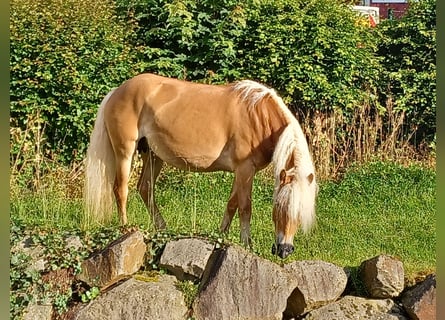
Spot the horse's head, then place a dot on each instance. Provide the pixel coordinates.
(294, 207)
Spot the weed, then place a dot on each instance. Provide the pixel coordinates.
(190, 291)
(337, 142)
(90, 294)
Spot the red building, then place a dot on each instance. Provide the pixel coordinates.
(388, 8)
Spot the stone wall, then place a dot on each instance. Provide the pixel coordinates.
(234, 283)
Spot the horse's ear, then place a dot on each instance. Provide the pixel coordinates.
(310, 178)
(285, 178)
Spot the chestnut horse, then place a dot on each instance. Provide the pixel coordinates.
(239, 127)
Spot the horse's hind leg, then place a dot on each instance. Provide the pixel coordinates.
(123, 168)
(151, 168)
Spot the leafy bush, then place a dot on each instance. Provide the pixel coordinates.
(187, 38)
(408, 50)
(315, 53)
(318, 55)
(64, 57)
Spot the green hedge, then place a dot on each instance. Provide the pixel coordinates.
(313, 52)
(65, 56)
(189, 39)
(408, 49)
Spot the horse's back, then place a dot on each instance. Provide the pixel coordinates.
(188, 125)
(193, 126)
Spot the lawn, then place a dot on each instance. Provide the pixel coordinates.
(373, 209)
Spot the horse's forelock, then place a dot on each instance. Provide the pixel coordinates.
(296, 199)
(295, 202)
(286, 200)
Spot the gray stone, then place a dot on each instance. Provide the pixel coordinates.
(138, 300)
(35, 252)
(240, 285)
(319, 283)
(26, 244)
(383, 276)
(357, 308)
(118, 260)
(420, 300)
(73, 243)
(38, 312)
(186, 258)
(36, 266)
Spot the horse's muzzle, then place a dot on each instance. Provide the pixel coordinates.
(282, 249)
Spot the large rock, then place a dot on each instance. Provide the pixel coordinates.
(138, 300)
(319, 283)
(38, 312)
(240, 285)
(118, 260)
(186, 258)
(383, 276)
(357, 308)
(420, 301)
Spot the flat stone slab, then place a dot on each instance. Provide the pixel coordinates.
(135, 300)
(120, 259)
(357, 308)
(186, 258)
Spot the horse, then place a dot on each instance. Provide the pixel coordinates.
(240, 127)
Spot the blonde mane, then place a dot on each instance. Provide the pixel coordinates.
(297, 199)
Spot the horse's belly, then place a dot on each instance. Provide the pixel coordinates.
(194, 156)
(190, 134)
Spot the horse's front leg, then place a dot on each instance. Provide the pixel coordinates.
(241, 199)
(232, 206)
(245, 205)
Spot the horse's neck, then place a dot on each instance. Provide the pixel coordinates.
(270, 123)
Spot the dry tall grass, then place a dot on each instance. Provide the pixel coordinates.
(337, 141)
(33, 168)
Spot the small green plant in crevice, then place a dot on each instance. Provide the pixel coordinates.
(22, 285)
(156, 246)
(61, 301)
(90, 294)
(355, 285)
(190, 291)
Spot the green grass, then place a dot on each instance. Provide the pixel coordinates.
(374, 209)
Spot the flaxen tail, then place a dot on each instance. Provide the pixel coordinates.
(99, 173)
